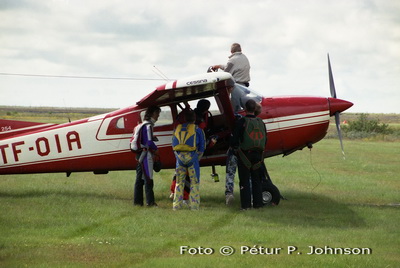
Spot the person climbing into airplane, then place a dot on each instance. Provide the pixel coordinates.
(202, 114)
(238, 65)
(188, 143)
(238, 95)
(202, 121)
(145, 155)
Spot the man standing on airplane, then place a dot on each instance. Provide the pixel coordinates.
(238, 66)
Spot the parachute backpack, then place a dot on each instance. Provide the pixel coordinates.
(254, 139)
(137, 137)
(254, 135)
(184, 138)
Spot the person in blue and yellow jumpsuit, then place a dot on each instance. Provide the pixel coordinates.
(188, 143)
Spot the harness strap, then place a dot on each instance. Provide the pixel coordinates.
(247, 162)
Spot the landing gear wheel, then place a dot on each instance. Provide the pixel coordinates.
(271, 195)
(267, 197)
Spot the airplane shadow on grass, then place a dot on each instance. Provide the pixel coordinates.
(301, 209)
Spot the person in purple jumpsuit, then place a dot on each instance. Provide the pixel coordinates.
(144, 169)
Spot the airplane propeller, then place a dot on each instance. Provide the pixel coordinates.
(337, 113)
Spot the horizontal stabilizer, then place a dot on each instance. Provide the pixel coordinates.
(10, 128)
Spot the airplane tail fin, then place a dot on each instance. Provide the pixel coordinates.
(10, 128)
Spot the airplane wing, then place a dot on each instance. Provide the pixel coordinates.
(194, 87)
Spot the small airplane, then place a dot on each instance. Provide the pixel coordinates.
(100, 144)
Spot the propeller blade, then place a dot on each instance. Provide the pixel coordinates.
(331, 82)
(337, 113)
(337, 120)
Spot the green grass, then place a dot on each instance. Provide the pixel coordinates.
(57, 115)
(49, 220)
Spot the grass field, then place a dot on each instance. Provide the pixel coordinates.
(48, 220)
(337, 206)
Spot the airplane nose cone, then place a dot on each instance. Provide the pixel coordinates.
(338, 105)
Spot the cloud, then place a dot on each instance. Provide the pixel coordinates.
(286, 42)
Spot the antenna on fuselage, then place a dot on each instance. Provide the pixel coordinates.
(66, 109)
(160, 74)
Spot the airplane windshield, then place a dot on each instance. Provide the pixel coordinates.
(241, 94)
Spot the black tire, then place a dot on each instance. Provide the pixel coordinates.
(271, 193)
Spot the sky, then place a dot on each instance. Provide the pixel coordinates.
(109, 54)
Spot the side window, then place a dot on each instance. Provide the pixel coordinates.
(128, 121)
(121, 123)
(165, 117)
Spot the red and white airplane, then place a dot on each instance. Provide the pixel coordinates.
(101, 143)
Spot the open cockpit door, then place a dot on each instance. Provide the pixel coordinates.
(185, 93)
